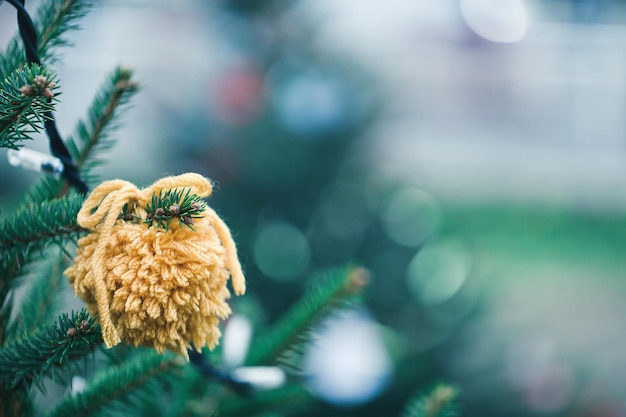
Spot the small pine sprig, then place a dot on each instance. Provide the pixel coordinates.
(439, 401)
(178, 204)
(29, 358)
(26, 95)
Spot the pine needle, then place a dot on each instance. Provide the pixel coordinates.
(41, 301)
(34, 227)
(24, 103)
(29, 358)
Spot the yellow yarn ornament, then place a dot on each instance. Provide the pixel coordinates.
(162, 287)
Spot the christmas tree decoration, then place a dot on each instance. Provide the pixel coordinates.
(153, 267)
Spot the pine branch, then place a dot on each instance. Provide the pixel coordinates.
(29, 358)
(36, 226)
(15, 402)
(53, 20)
(440, 401)
(289, 396)
(41, 301)
(30, 229)
(294, 326)
(114, 384)
(24, 100)
(93, 134)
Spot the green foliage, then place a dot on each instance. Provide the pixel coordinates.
(25, 234)
(92, 136)
(289, 396)
(35, 226)
(294, 326)
(41, 300)
(94, 133)
(24, 101)
(178, 204)
(53, 20)
(29, 358)
(439, 401)
(114, 384)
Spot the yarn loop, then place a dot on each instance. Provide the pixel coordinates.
(149, 286)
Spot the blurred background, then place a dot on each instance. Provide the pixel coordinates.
(470, 154)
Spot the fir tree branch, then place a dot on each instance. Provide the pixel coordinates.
(35, 226)
(15, 402)
(30, 229)
(294, 326)
(439, 401)
(114, 384)
(29, 358)
(41, 300)
(53, 20)
(24, 101)
(92, 135)
(289, 396)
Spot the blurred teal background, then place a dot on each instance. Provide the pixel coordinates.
(470, 154)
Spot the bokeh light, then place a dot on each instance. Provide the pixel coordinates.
(439, 270)
(348, 363)
(308, 102)
(411, 216)
(502, 21)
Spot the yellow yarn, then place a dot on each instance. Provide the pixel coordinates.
(149, 286)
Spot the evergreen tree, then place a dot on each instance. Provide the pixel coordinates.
(44, 348)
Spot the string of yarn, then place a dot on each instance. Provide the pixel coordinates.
(149, 286)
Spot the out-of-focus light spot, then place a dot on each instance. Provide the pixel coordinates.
(237, 98)
(411, 217)
(236, 340)
(348, 363)
(438, 271)
(502, 21)
(281, 251)
(310, 102)
(79, 384)
(262, 377)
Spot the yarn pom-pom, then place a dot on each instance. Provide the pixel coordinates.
(154, 265)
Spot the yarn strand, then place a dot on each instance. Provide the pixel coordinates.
(239, 283)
